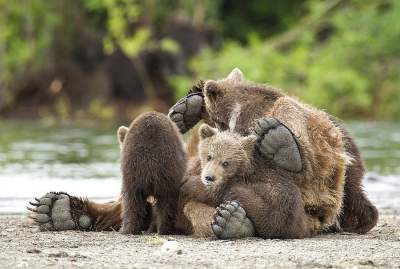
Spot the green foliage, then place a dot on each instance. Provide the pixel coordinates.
(342, 56)
(352, 72)
(26, 31)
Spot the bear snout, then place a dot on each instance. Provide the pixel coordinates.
(208, 180)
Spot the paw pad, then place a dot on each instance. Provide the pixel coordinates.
(187, 111)
(276, 142)
(53, 212)
(230, 221)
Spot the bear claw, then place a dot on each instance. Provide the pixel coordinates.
(230, 222)
(276, 142)
(186, 113)
(53, 212)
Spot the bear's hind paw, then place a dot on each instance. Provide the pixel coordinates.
(231, 222)
(52, 212)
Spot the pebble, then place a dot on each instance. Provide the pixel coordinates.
(170, 247)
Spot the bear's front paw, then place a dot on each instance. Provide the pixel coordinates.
(275, 141)
(52, 212)
(186, 113)
(230, 222)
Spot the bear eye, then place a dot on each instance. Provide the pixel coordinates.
(225, 163)
(209, 158)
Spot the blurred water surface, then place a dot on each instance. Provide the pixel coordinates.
(36, 158)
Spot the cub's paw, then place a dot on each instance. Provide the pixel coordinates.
(230, 222)
(276, 142)
(187, 111)
(52, 212)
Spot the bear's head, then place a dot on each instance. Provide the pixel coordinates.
(234, 103)
(224, 156)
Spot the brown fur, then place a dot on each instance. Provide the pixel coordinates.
(359, 215)
(320, 142)
(272, 202)
(329, 185)
(153, 164)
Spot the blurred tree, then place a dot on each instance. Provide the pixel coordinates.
(65, 57)
(343, 57)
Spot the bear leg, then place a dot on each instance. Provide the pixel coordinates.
(359, 215)
(276, 142)
(59, 211)
(166, 216)
(136, 211)
(275, 208)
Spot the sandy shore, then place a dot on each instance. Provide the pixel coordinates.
(22, 246)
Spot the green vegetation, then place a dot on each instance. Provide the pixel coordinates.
(342, 56)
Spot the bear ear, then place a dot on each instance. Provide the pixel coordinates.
(122, 131)
(211, 89)
(236, 75)
(206, 131)
(248, 143)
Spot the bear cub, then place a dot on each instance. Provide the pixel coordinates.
(144, 174)
(239, 180)
(226, 162)
(225, 158)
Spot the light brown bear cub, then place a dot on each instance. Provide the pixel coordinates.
(232, 170)
(145, 174)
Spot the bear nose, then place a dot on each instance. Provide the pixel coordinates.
(209, 178)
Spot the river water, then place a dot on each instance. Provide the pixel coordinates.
(36, 158)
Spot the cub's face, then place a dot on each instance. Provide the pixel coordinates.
(224, 155)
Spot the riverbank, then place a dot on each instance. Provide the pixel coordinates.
(22, 246)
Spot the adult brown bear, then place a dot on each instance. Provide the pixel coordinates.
(306, 145)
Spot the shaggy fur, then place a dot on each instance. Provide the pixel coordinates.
(233, 170)
(153, 163)
(327, 188)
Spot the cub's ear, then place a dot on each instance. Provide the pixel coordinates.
(248, 143)
(206, 131)
(122, 131)
(235, 76)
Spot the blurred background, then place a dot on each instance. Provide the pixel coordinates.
(71, 71)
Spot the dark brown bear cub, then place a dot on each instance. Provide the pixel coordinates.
(145, 174)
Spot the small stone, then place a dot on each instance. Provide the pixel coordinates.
(33, 251)
(60, 254)
(367, 262)
(170, 247)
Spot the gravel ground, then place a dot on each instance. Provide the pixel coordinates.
(22, 246)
